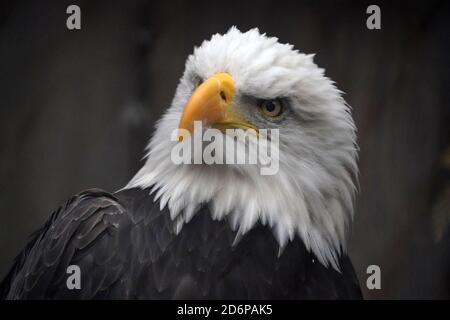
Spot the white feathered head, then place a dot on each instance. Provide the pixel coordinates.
(249, 80)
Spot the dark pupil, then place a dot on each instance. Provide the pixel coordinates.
(270, 106)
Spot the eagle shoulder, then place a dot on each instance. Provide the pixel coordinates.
(81, 232)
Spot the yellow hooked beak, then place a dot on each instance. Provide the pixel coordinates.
(211, 103)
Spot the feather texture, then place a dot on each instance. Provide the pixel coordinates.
(127, 248)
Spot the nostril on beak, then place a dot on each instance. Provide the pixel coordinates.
(223, 96)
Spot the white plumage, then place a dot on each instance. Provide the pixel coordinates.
(312, 195)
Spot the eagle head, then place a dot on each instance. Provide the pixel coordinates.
(251, 81)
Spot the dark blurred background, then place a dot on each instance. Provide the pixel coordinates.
(78, 107)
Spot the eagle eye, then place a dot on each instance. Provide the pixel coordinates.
(271, 108)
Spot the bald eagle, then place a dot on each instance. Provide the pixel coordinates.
(178, 231)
